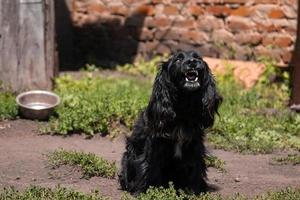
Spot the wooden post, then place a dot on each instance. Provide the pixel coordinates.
(27, 44)
(295, 69)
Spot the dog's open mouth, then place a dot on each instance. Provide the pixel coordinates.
(191, 76)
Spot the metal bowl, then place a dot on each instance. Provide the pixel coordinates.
(37, 104)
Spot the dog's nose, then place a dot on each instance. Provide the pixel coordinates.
(191, 63)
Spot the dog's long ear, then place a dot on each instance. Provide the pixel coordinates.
(160, 108)
(211, 100)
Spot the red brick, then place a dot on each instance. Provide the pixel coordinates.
(180, 1)
(237, 24)
(219, 10)
(145, 10)
(194, 37)
(157, 1)
(283, 41)
(119, 9)
(272, 25)
(277, 40)
(242, 11)
(222, 36)
(162, 49)
(184, 23)
(286, 56)
(269, 52)
(157, 22)
(234, 1)
(253, 38)
(170, 10)
(267, 1)
(209, 23)
(196, 10)
(289, 12)
(276, 14)
(168, 33)
(146, 34)
(291, 3)
(96, 7)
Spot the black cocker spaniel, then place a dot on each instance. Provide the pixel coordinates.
(167, 140)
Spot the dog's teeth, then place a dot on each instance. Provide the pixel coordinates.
(186, 79)
(196, 79)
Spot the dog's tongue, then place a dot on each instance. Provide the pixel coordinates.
(191, 75)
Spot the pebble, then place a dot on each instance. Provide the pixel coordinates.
(237, 179)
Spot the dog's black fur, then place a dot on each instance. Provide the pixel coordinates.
(167, 140)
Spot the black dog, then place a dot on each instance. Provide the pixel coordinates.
(167, 140)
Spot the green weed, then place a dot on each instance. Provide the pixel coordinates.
(171, 194)
(142, 67)
(252, 120)
(255, 120)
(58, 193)
(293, 159)
(91, 164)
(8, 106)
(215, 162)
(91, 105)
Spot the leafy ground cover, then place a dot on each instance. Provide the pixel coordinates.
(92, 105)
(37, 193)
(91, 164)
(8, 106)
(255, 120)
(293, 159)
(171, 194)
(61, 193)
(215, 162)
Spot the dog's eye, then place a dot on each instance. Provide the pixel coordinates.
(179, 58)
(195, 55)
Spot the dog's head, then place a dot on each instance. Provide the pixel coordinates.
(185, 73)
(187, 70)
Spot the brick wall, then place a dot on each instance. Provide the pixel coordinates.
(235, 29)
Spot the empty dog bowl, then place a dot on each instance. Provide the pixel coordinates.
(37, 104)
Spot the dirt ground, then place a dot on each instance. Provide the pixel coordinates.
(23, 163)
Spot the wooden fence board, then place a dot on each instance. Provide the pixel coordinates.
(25, 57)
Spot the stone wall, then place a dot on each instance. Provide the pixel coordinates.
(235, 29)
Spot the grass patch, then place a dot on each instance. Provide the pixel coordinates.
(93, 104)
(215, 162)
(142, 67)
(91, 164)
(293, 159)
(255, 120)
(58, 193)
(61, 193)
(8, 106)
(171, 194)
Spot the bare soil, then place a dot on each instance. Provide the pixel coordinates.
(23, 163)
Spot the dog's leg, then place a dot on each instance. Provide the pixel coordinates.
(134, 172)
(190, 172)
(197, 173)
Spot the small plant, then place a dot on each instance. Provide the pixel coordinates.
(91, 164)
(8, 106)
(215, 162)
(171, 194)
(158, 193)
(94, 104)
(293, 159)
(142, 67)
(58, 193)
(254, 120)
